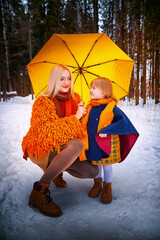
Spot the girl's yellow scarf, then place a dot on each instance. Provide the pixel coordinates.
(106, 118)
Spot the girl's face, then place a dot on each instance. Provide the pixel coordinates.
(96, 93)
(65, 81)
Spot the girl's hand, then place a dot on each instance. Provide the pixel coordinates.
(81, 104)
(81, 110)
(102, 135)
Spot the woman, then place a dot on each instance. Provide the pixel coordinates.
(53, 140)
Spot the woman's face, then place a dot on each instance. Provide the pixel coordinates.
(65, 81)
(96, 93)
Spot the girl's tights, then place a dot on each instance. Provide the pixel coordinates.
(107, 170)
(67, 160)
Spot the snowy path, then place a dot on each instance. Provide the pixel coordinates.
(134, 213)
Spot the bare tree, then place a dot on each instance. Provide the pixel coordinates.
(143, 78)
(157, 84)
(138, 60)
(30, 42)
(5, 78)
(95, 22)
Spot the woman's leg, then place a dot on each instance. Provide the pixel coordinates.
(63, 160)
(83, 169)
(107, 169)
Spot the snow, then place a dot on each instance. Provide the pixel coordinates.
(134, 213)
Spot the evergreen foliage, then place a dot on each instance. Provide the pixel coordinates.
(134, 25)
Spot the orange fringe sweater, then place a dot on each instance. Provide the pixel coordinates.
(47, 130)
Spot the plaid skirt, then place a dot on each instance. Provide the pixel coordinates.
(114, 156)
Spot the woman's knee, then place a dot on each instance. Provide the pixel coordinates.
(89, 170)
(94, 171)
(76, 144)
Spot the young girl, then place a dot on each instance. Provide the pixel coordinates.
(109, 136)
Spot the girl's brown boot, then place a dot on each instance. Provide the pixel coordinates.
(97, 187)
(106, 196)
(40, 198)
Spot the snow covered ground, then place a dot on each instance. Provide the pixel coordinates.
(134, 213)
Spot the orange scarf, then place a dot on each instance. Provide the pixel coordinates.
(70, 107)
(65, 105)
(106, 118)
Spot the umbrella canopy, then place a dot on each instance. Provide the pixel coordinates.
(88, 56)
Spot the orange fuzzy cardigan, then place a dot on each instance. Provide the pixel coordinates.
(47, 130)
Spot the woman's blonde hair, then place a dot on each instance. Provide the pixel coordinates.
(104, 84)
(54, 80)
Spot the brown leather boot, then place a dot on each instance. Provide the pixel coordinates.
(40, 198)
(106, 196)
(97, 187)
(59, 181)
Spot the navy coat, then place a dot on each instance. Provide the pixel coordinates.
(101, 147)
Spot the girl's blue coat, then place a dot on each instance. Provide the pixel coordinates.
(120, 125)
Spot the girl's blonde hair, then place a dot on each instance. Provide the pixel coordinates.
(54, 81)
(104, 84)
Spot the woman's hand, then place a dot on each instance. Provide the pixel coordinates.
(102, 135)
(81, 110)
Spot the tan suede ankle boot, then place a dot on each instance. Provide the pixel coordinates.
(40, 198)
(106, 196)
(59, 181)
(97, 187)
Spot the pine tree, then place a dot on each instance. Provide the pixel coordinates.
(71, 17)
(54, 18)
(152, 26)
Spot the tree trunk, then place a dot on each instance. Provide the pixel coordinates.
(30, 45)
(123, 26)
(144, 78)
(117, 22)
(150, 79)
(143, 83)
(6, 77)
(153, 73)
(131, 54)
(157, 85)
(95, 23)
(138, 61)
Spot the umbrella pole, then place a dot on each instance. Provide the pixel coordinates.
(81, 88)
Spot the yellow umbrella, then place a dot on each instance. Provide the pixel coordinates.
(88, 56)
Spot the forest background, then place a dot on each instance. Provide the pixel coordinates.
(26, 25)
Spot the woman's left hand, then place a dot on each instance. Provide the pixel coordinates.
(102, 135)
